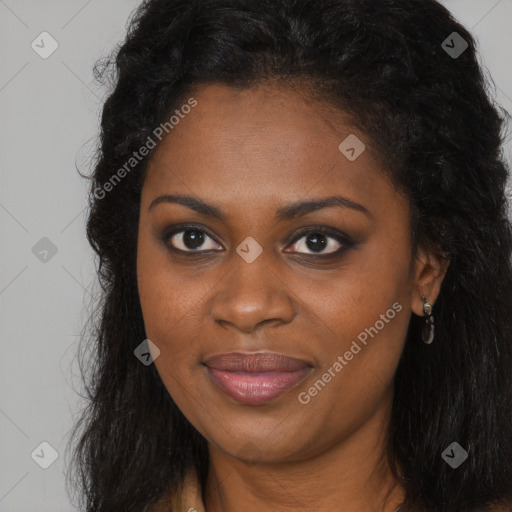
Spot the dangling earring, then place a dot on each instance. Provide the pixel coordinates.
(427, 333)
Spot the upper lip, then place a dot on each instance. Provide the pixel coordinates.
(255, 362)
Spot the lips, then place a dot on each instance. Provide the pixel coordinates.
(256, 362)
(255, 378)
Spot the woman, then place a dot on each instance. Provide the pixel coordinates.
(287, 194)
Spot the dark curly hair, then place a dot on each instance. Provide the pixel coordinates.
(431, 119)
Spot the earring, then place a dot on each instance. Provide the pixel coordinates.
(427, 333)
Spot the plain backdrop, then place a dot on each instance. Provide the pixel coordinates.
(49, 115)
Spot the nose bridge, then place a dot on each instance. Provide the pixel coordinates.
(251, 293)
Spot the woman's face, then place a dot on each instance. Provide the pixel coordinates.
(254, 275)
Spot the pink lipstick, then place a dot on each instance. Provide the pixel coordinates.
(255, 378)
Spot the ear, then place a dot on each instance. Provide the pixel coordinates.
(429, 271)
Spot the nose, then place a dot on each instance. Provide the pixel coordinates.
(252, 294)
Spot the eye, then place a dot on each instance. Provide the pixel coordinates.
(191, 239)
(317, 241)
(320, 241)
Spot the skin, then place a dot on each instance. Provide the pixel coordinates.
(251, 152)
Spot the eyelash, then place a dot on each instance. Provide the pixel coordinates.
(341, 238)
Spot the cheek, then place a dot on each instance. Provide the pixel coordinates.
(169, 303)
(172, 322)
(359, 357)
(355, 298)
(363, 322)
(362, 317)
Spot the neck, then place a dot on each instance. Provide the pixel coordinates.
(352, 476)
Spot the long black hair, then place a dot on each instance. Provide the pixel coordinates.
(422, 99)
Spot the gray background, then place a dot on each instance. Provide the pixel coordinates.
(49, 111)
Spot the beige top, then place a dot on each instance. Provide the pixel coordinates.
(190, 499)
(187, 499)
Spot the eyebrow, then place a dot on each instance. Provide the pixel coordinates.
(288, 212)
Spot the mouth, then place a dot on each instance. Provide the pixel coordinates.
(256, 378)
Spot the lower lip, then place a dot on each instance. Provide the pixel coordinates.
(256, 388)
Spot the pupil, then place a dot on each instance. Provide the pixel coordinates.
(316, 242)
(193, 238)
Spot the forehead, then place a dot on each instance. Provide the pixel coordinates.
(264, 144)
